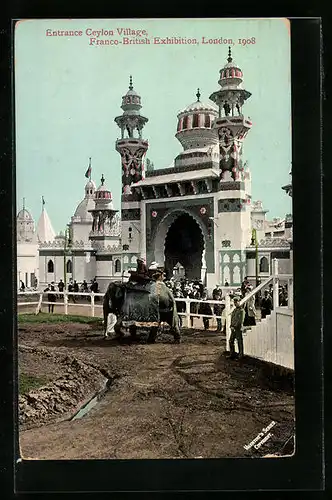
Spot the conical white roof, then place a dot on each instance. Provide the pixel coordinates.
(45, 231)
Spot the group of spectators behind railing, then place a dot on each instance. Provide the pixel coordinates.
(55, 291)
(183, 288)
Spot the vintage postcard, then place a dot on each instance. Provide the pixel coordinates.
(154, 238)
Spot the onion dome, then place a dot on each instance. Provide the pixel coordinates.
(82, 212)
(90, 188)
(131, 101)
(25, 226)
(231, 96)
(131, 119)
(24, 215)
(103, 197)
(230, 74)
(195, 124)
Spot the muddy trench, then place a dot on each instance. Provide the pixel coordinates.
(131, 399)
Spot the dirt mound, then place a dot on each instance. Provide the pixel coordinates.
(60, 398)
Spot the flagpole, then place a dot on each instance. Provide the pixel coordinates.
(90, 168)
(23, 215)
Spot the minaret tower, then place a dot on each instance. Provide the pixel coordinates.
(131, 146)
(232, 220)
(231, 125)
(102, 234)
(102, 215)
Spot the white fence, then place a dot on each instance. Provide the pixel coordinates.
(272, 338)
(69, 300)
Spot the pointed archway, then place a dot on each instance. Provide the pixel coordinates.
(184, 244)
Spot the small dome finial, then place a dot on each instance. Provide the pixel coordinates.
(131, 83)
(229, 59)
(198, 95)
(102, 180)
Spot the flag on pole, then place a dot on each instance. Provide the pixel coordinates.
(43, 201)
(88, 172)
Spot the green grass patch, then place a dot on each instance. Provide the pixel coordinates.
(57, 318)
(28, 382)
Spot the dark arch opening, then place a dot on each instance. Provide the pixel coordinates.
(69, 266)
(184, 244)
(117, 266)
(264, 265)
(50, 266)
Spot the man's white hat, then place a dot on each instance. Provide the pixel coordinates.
(154, 265)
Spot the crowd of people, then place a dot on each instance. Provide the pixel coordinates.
(73, 287)
(183, 288)
(25, 288)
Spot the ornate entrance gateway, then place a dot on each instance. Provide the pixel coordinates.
(184, 244)
(178, 237)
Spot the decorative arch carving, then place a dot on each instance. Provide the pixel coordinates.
(159, 236)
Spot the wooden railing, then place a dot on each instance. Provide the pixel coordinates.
(186, 315)
(66, 302)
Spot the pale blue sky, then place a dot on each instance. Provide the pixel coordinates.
(69, 92)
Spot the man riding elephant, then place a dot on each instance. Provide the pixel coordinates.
(141, 274)
(143, 301)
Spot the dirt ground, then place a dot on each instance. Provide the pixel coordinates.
(162, 400)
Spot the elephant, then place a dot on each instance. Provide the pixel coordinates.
(141, 305)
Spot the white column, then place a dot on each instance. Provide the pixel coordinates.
(290, 293)
(203, 270)
(275, 284)
(187, 320)
(228, 320)
(92, 304)
(65, 301)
